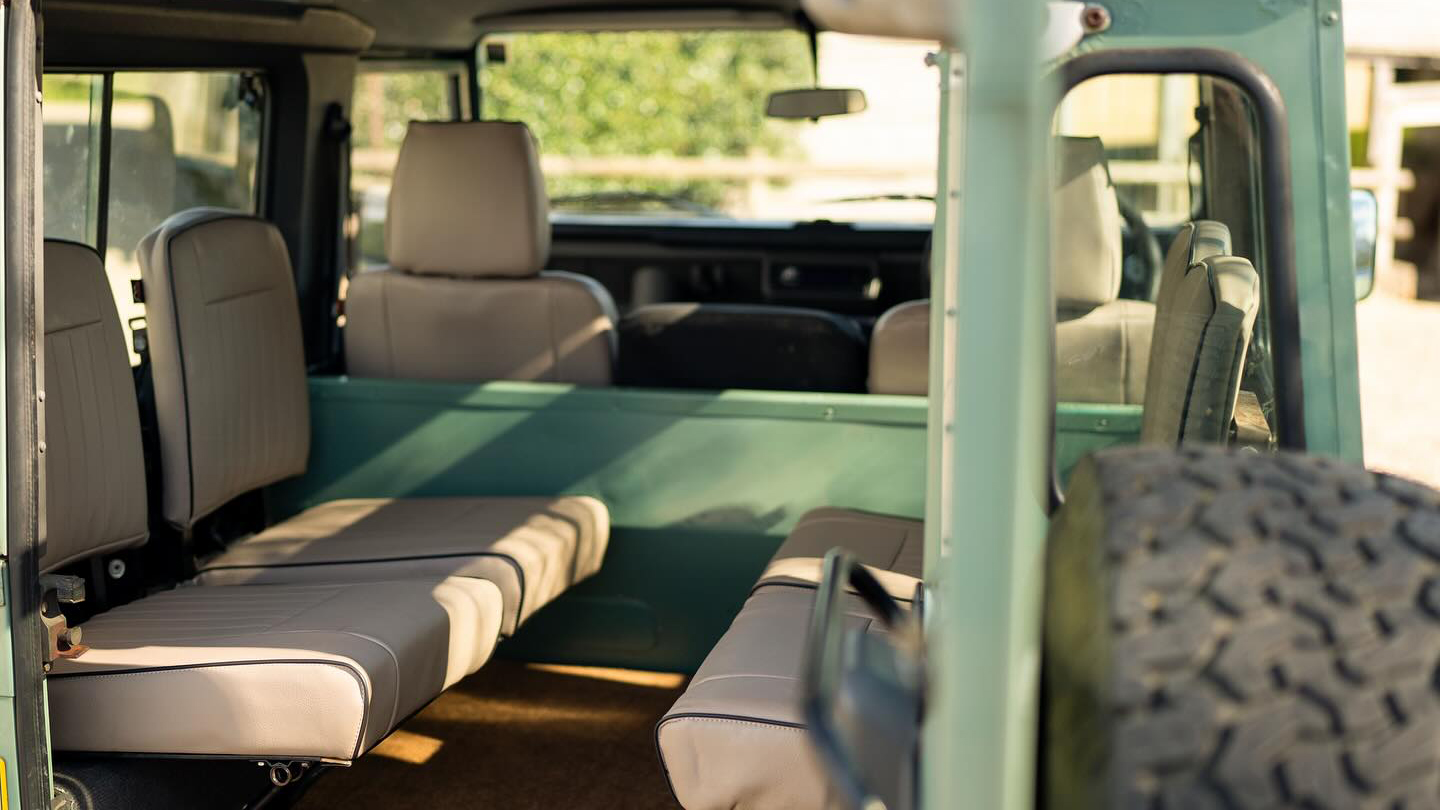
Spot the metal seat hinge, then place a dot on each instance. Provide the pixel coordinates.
(64, 640)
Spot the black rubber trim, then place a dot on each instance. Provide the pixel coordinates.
(365, 696)
(102, 183)
(519, 572)
(1282, 295)
(24, 415)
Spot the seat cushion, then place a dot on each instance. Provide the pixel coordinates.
(532, 548)
(900, 350)
(307, 672)
(1103, 355)
(736, 739)
(892, 548)
(554, 327)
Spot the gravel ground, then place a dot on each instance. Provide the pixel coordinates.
(1400, 385)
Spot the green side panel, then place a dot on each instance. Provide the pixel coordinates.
(1081, 429)
(701, 486)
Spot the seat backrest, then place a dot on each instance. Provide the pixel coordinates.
(719, 346)
(465, 298)
(94, 466)
(1086, 249)
(231, 397)
(1102, 342)
(900, 350)
(1204, 319)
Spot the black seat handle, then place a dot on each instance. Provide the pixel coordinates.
(825, 665)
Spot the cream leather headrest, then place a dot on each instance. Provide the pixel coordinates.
(1085, 243)
(468, 199)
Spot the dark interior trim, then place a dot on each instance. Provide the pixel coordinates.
(1282, 293)
(24, 416)
(102, 184)
(121, 23)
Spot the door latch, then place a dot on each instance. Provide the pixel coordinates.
(64, 641)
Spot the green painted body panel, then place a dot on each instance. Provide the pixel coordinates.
(983, 634)
(978, 746)
(701, 486)
(1296, 45)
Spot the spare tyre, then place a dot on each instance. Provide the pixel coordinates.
(1231, 629)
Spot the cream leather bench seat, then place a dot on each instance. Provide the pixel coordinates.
(233, 409)
(892, 548)
(736, 738)
(532, 548)
(300, 672)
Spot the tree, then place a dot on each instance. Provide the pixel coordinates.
(658, 94)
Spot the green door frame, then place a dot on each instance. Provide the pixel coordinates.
(986, 537)
(987, 496)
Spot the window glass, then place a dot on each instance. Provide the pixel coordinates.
(1146, 123)
(177, 140)
(1187, 341)
(672, 123)
(386, 101)
(72, 157)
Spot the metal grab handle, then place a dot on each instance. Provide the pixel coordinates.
(824, 667)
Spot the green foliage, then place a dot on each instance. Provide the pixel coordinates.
(647, 93)
(70, 86)
(387, 101)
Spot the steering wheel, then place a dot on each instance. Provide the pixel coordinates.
(1141, 277)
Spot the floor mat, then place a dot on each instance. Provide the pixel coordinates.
(519, 736)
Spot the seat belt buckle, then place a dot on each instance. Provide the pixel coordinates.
(63, 641)
(139, 335)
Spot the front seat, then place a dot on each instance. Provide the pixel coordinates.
(466, 297)
(1102, 341)
(1204, 318)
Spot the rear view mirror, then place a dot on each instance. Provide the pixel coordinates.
(816, 102)
(1364, 223)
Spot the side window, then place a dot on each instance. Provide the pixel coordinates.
(176, 140)
(1159, 262)
(72, 157)
(387, 98)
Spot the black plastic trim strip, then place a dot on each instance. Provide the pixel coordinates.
(1282, 294)
(102, 182)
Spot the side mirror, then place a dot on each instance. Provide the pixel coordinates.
(816, 102)
(1364, 223)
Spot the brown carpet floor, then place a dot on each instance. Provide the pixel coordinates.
(519, 736)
